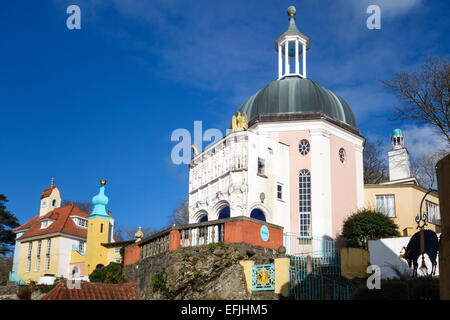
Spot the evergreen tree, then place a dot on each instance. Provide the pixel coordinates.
(7, 222)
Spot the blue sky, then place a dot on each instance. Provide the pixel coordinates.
(102, 102)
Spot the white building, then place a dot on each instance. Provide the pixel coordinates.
(299, 165)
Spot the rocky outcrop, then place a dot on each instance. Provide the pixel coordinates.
(204, 272)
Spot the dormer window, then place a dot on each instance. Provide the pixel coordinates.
(46, 223)
(80, 222)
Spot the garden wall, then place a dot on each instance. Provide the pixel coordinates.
(385, 254)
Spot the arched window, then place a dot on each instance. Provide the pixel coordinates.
(258, 214)
(99, 266)
(304, 203)
(75, 272)
(224, 213)
(203, 218)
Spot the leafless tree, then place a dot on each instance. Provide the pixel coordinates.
(424, 95)
(180, 215)
(423, 167)
(375, 168)
(122, 233)
(85, 206)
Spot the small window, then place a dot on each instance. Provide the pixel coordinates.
(44, 203)
(54, 203)
(304, 147)
(386, 205)
(280, 191)
(432, 212)
(81, 245)
(117, 250)
(261, 166)
(101, 227)
(342, 155)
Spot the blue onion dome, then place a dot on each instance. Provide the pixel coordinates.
(100, 201)
(295, 98)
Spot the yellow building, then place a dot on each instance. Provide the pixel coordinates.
(401, 202)
(64, 241)
(401, 196)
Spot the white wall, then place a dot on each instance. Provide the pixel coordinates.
(65, 251)
(385, 253)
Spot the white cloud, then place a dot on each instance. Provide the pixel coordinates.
(423, 139)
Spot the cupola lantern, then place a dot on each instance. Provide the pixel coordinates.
(291, 45)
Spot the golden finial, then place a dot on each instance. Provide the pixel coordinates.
(139, 235)
(52, 181)
(103, 182)
(109, 212)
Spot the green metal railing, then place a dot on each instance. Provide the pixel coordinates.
(315, 287)
(312, 259)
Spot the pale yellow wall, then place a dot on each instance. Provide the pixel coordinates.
(112, 256)
(282, 276)
(95, 252)
(407, 203)
(354, 262)
(76, 257)
(23, 259)
(247, 266)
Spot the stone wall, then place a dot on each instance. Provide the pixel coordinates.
(203, 272)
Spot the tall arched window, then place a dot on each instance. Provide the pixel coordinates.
(304, 202)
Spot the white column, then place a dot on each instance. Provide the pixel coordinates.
(286, 58)
(359, 176)
(297, 64)
(280, 62)
(321, 213)
(304, 60)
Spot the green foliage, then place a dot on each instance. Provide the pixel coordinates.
(425, 288)
(45, 288)
(367, 225)
(7, 222)
(187, 256)
(158, 281)
(112, 273)
(212, 246)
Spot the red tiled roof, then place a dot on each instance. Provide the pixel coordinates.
(62, 223)
(94, 291)
(47, 192)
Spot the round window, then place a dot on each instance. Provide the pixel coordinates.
(304, 147)
(342, 155)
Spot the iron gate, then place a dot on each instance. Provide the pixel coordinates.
(314, 261)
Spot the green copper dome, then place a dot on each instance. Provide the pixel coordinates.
(296, 96)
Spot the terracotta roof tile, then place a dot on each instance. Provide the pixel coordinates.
(47, 192)
(94, 291)
(62, 224)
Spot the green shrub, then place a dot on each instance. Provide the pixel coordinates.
(112, 273)
(425, 288)
(212, 246)
(392, 290)
(187, 256)
(367, 225)
(158, 282)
